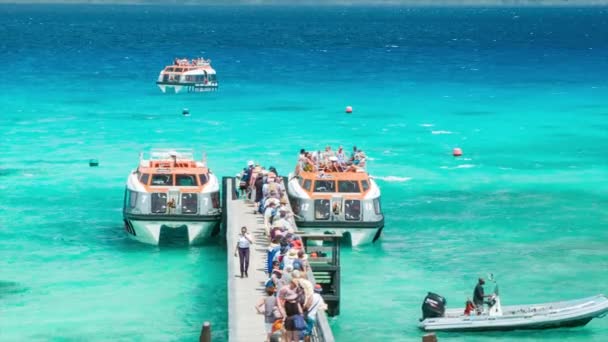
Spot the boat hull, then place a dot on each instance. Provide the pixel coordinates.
(539, 326)
(158, 231)
(534, 317)
(175, 88)
(359, 233)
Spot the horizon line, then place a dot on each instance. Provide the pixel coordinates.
(322, 3)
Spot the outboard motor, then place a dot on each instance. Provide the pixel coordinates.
(433, 306)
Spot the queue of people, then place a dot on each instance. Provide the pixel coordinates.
(291, 300)
(332, 161)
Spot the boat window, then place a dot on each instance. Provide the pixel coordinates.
(295, 205)
(189, 203)
(179, 69)
(189, 78)
(170, 69)
(352, 210)
(377, 208)
(307, 184)
(127, 196)
(185, 180)
(144, 178)
(159, 203)
(365, 185)
(325, 186)
(203, 179)
(162, 179)
(132, 199)
(215, 199)
(348, 186)
(321, 209)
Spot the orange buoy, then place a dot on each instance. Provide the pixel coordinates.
(349, 109)
(457, 152)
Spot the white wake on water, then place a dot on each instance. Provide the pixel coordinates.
(394, 179)
(461, 166)
(441, 132)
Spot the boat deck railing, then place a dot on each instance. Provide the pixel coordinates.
(168, 153)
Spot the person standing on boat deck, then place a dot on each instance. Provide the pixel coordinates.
(242, 248)
(341, 157)
(352, 156)
(478, 295)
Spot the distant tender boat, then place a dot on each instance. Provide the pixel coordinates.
(345, 202)
(191, 76)
(569, 313)
(171, 193)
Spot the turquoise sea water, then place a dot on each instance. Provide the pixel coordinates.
(522, 91)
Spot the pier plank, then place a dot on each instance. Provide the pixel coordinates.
(244, 324)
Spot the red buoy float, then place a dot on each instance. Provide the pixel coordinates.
(457, 152)
(349, 109)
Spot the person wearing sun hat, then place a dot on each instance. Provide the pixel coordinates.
(292, 255)
(283, 202)
(317, 303)
(306, 286)
(282, 219)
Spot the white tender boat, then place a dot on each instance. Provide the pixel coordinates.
(332, 195)
(191, 76)
(169, 195)
(570, 313)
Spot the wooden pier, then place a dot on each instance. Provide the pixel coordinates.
(244, 324)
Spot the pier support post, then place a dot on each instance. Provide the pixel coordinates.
(205, 333)
(429, 338)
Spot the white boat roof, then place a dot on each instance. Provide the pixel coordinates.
(200, 71)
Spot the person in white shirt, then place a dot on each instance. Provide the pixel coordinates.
(269, 213)
(242, 250)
